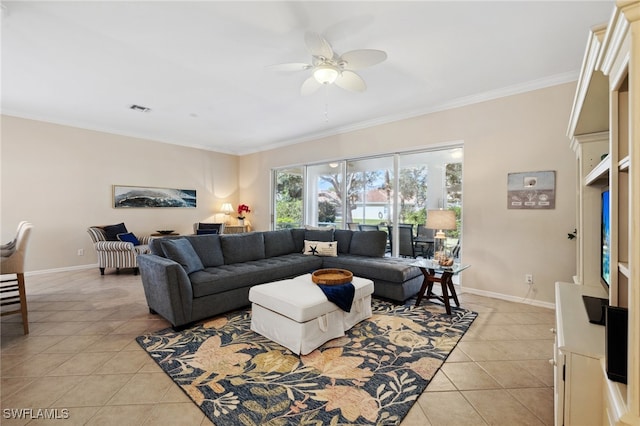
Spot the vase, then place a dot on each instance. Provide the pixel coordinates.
(241, 222)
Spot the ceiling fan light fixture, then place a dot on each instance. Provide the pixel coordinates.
(325, 74)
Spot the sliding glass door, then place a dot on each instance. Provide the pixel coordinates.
(325, 189)
(370, 192)
(396, 188)
(432, 180)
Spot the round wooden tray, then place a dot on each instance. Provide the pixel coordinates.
(332, 276)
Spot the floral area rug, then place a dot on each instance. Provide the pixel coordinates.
(372, 376)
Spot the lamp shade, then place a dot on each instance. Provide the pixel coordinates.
(226, 208)
(441, 219)
(325, 74)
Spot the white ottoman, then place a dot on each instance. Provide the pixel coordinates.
(296, 314)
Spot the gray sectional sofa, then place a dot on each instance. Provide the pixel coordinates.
(191, 278)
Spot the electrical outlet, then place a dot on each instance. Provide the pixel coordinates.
(528, 279)
(80, 252)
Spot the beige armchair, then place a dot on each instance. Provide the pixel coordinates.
(114, 253)
(12, 262)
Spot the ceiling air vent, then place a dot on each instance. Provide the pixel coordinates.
(139, 108)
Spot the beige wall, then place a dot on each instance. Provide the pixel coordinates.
(514, 134)
(60, 178)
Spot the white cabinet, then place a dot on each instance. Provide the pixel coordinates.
(579, 350)
(605, 119)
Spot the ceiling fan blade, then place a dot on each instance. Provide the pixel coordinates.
(362, 58)
(351, 81)
(290, 67)
(318, 46)
(310, 86)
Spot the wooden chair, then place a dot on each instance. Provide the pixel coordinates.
(7, 248)
(13, 291)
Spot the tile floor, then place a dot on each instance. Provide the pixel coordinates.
(81, 356)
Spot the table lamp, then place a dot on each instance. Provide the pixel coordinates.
(227, 209)
(440, 220)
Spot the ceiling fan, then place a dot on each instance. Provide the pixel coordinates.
(328, 67)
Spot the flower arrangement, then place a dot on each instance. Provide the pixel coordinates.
(242, 209)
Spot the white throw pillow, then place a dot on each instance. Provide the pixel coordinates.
(321, 248)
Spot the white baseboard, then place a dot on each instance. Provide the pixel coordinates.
(65, 269)
(459, 289)
(507, 297)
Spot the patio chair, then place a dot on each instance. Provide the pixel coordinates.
(424, 241)
(368, 228)
(201, 228)
(406, 246)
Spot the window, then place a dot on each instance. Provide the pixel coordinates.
(394, 188)
(370, 191)
(288, 211)
(324, 189)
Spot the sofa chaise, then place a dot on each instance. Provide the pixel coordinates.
(191, 278)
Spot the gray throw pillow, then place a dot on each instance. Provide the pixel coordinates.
(111, 231)
(180, 250)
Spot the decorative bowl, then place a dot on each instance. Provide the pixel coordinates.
(332, 276)
(446, 261)
(165, 231)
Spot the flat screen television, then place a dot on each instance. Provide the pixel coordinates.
(605, 240)
(597, 307)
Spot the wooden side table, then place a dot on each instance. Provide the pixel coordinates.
(434, 273)
(235, 229)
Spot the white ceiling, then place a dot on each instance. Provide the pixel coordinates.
(202, 67)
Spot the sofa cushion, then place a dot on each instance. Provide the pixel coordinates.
(343, 237)
(229, 277)
(111, 231)
(277, 243)
(129, 237)
(208, 249)
(390, 269)
(298, 239)
(320, 248)
(237, 248)
(180, 250)
(368, 243)
(318, 235)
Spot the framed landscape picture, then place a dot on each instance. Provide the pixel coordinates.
(531, 190)
(142, 196)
